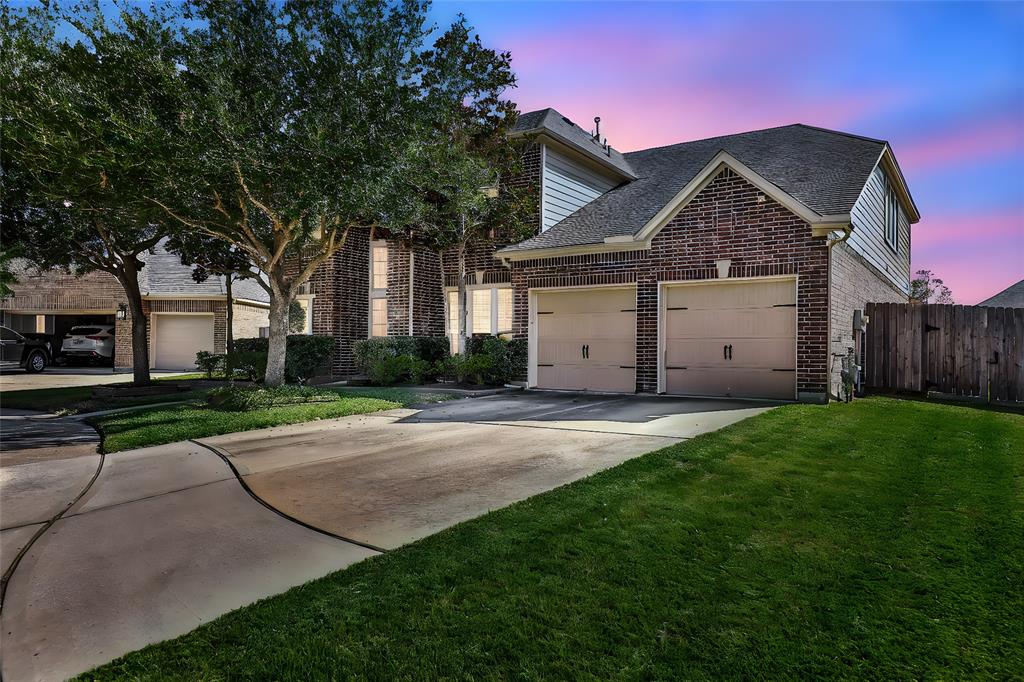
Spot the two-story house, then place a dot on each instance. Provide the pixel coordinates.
(729, 266)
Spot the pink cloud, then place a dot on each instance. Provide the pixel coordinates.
(974, 139)
(977, 256)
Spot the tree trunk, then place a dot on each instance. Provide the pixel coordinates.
(129, 278)
(278, 343)
(463, 307)
(229, 337)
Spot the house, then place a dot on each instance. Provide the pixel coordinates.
(730, 266)
(1010, 297)
(184, 316)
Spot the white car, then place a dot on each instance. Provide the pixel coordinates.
(89, 342)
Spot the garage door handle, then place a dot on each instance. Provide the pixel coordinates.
(586, 351)
(727, 352)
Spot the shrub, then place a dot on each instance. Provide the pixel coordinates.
(252, 364)
(306, 354)
(388, 371)
(209, 362)
(241, 399)
(368, 352)
(508, 359)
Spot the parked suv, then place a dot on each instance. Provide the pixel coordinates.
(89, 342)
(30, 352)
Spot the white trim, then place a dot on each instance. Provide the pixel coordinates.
(493, 288)
(153, 331)
(531, 328)
(661, 343)
(258, 304)
(543, 167)
(726, 160)
(579, 250)
(820, 224)
(376, 293)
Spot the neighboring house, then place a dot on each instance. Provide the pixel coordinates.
(184, 316)
(1010, 297)
(730, 266)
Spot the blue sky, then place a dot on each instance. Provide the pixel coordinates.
(942, 82)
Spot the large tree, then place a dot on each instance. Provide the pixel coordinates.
(309, 119)
(81, 96)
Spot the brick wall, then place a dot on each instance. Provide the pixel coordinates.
(724, 221)
(853, 282)
(247, 320)
(342, 298)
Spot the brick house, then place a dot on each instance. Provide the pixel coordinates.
(730, 266)
(183, 316)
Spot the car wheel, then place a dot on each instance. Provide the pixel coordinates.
(36, 362)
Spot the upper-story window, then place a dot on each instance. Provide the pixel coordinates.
(379, 265)
(892, 215)
(378, 289)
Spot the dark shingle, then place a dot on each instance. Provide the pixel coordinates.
(553, 123)
(823, 169)
(1010, 297)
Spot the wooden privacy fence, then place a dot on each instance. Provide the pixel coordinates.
(957, 349)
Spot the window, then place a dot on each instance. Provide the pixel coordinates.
(481, 315)
(378, 289)
(379, 317)
(892, 216)
(892, 221)
(504, 311)
(379, 266)
(307, 308)
(490, 312)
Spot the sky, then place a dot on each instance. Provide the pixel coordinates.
(942, 82)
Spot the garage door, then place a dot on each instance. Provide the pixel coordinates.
(585, 340)
(177, 339)
(736, 339)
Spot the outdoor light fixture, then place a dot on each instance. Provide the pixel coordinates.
(122, 311)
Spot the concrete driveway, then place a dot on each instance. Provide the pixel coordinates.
(120, 551)
(66, 377)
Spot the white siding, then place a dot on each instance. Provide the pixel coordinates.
(568, 185)
(868, 238)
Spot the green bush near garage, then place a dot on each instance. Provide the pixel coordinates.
(307, 355)
(367, 353)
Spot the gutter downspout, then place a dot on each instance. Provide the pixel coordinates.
(830, 242)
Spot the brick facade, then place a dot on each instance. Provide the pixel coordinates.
(55, 292)
(247, 320)
(853, 282)
(725, 220)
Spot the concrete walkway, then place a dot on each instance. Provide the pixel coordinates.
(158, 541)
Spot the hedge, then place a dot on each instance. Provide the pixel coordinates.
(368, 353)
(306, 354)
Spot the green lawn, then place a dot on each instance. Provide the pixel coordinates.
(197, 420)
(881, 539)
(79, 399)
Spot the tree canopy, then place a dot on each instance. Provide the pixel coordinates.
(311, 118)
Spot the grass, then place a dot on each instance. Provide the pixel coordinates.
(77, 399)
(881, 539)
(197, 420)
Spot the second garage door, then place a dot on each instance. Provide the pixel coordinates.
(732, 340)
(177, 339)
(586, 340)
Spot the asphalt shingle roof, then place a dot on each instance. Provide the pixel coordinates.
(1010, 297)
(164, 275)
(553, 123)
(825, 170)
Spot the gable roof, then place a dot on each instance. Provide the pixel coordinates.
(551, 123)
(1010, 297)
(165, 276)
(821, 169)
